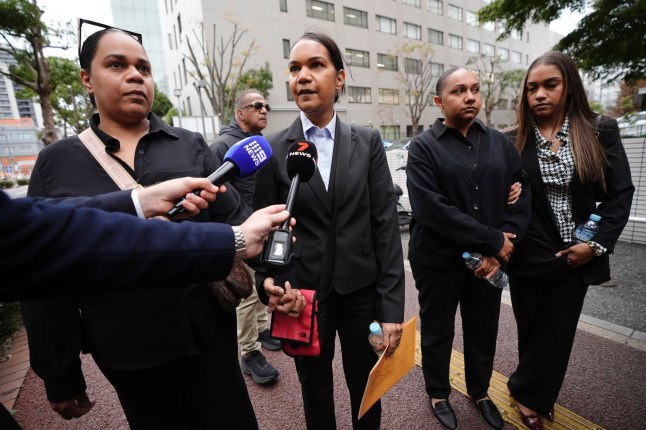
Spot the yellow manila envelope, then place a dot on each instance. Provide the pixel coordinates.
(390, 369)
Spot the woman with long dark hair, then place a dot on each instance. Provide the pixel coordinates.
(576, 166)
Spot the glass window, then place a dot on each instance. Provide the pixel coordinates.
(412, 31)
(435, 6)
(389, 132)
(283, 5)
(518, 35)
(290, 97)
(386, 25)
(489, 49)
(359, 95)
(472, 18)
(436, 36)
(412, 65)
(490, 26)
(388, 96)
(473, 46)
(387, 62)
(437, 69)
(354, 57)
(320, 9)
(286, 48)
(416, 3)
(455, 12)
(455, 41)
(355, 17)
(503, 53)
(516, 57)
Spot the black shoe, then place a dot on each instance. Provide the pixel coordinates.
(445, 415)
(268, 342)
(256, 365)
(490, 414)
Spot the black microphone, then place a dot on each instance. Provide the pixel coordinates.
(244, 158)
(300, 165)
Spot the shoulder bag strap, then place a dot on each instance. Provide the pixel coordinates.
(116, 171)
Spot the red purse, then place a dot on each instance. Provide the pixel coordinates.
(299, 336)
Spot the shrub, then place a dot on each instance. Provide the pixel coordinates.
(23, 181)
(5, 183)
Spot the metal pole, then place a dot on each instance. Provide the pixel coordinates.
(178, 93)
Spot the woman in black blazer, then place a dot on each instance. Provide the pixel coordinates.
(573, 160)
(348, 243)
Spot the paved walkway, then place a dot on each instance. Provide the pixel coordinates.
(604, 389)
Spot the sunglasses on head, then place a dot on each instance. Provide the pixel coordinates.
(258, 106)
(93, 27)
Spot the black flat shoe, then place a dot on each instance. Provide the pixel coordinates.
(490, 414)
(550, 415)
(445, 415)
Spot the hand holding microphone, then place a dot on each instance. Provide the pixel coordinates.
(300, 165)
(244, 158)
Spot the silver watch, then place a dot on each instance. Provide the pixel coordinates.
(240, 244)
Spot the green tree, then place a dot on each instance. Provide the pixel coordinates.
(259, 79)
(69, 98)
(496, 83)
(25, 36)
(161, 104)
(606, 42)
(416, 79)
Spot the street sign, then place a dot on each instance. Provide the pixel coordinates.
(8, 169)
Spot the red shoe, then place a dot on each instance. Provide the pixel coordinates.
(533, 422)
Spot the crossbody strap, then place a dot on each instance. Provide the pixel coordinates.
(116, 171)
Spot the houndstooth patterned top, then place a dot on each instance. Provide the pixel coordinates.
(557, 170)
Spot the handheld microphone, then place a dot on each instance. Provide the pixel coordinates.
(244, 158)
(300, 165)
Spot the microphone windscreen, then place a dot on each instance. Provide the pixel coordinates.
(301, 159)
(249, 154)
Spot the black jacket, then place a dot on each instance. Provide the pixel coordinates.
(534, 256)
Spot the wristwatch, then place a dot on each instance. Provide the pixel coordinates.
(240, 244)
(598, 249)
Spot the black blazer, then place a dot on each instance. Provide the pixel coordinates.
(348, 237)
(534, 255)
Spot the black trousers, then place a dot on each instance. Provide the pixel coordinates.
(440, 293)
(547, 314)
(350, 316)
(193, 392)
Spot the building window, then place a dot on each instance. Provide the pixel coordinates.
(388, 96)
(283, 5)
(412, 31)
(435, 6)
(184, 70)
(170, 41)
(387, 62)
(359, 95)
(516, 57)
(189, 106)
(386, 25)
(389, 132)
(354, 57)
(416, 3)
(413, 66)
(437, 69)
(355, 17)
(490, 26)
(179, 24)
(436, 36)
(503, 53)
(290, 97)
(489, 49)
(473, 46)
(320, 9)
(518, 35)
(455, 41)
(286, 48)
(455, 12)
(472, 18)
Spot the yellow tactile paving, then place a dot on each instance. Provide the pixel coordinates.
(499, 394)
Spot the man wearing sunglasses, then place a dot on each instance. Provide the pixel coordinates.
(253, 332)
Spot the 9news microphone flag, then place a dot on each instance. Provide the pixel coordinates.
(244, 158)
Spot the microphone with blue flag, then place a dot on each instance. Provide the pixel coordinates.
(244, 158)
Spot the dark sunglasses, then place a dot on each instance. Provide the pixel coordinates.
(89, 31)
(258, 106)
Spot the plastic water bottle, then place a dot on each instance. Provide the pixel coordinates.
(586, 231)
(473, 260)
(376, 338)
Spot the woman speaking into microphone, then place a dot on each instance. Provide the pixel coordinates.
(348, 246)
